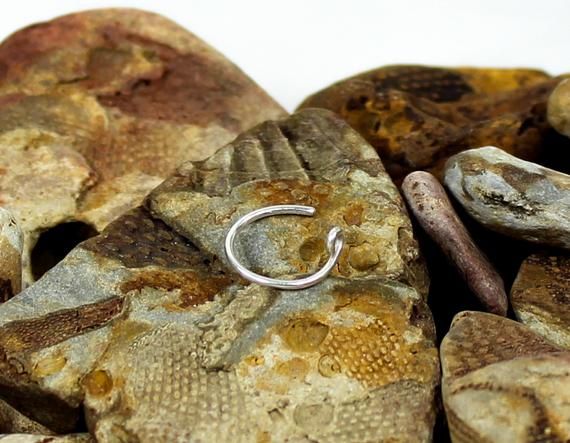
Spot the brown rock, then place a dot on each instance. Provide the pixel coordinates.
(418, 116)
(148, 325)
(541, 296)
(502, 381)
(11, 244)
(434, 212)
(96, 108)
(13, 422)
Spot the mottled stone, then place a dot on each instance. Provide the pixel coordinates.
(512, 196)
(11, 245)
(558, 110)
(96, 108)
(541, 296)
(418, 116)
(434, 212)
(503, 383)
(165, 343)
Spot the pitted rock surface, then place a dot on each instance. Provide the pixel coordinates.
(170, 345)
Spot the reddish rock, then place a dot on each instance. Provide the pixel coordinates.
(96, 108)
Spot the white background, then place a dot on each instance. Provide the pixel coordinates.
(295, 47)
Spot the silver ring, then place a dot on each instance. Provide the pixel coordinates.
(335, 242)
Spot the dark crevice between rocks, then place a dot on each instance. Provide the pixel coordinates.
(55, 243)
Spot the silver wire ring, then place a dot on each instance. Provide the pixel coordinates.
(335, 242)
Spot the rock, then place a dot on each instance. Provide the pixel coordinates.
(11, 244)
(558, 110)
(149, 326)
(96, 108)
(501, 380)
(434, 212)
(29, 438)
(12, 421)
(512, 196)
(418, 116)
(541, 296)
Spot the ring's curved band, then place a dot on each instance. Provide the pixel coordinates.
(335, 242)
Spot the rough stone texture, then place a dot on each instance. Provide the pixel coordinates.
(11, 244)
(512, 196)
(28, 438)
(541, 296)
(164, 343)
(434, 212)
(503, 383)
(558, 110)
(418, 116)
(96, 108)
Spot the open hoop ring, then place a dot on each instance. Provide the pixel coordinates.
(335, 242)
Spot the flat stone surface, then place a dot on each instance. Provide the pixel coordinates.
(98, 107)
(147, 324)
(541, 296)
(418, 116)
(11, 245)
(512, 196)
(433, 210)
(503, 383)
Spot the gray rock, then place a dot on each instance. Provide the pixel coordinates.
(149, 327)
(433, 210)
(512, 196)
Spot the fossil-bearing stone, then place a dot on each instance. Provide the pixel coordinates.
(512, 196)
(11, 244)
(558, 110)
(540, 296)
(502, 382)
(417, 116)
(433, 210)
(96, 108)
(163, 342)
